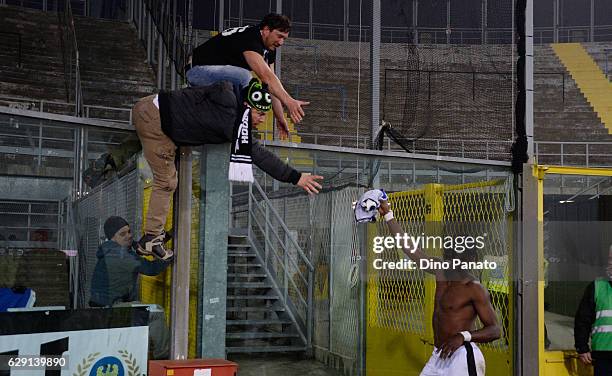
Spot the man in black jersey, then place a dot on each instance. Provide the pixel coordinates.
(234, 53)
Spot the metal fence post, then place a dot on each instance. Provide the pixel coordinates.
(180, 269)
(161, 57)
(374, 70)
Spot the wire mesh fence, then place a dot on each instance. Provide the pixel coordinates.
(120, 196)
(402, 300)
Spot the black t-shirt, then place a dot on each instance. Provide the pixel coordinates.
(227, 48)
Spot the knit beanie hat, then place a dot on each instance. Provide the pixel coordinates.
(257, 95)
(112, 225)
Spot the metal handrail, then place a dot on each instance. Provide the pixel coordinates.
(276, 235)
(39, 105)
(78, 91)
(170, 31)
(608, 53)
(282, 223)
(261, 208)
(280, 261)
(563, 155)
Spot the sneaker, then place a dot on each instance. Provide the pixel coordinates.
(142, 251)
(154, 245)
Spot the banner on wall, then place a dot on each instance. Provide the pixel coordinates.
(119, 349)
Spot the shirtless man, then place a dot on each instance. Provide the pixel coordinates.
(459, 300)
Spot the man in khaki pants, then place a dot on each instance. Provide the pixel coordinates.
(196, 116)
(160, 152)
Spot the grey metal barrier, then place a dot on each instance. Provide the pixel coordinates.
(281, 252)
(158, 24)
(71, 57)
(115, 114)
(586, 154)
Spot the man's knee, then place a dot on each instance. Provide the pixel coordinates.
(167, 184)
(244, 76)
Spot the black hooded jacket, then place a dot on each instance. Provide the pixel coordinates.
(206, 115)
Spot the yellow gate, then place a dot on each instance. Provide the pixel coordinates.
(399, 337)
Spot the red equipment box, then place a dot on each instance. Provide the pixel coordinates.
(192, 367)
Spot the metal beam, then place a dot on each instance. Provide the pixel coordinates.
(180, 269)
(220, 15)
(65, 118)
(529, 127)
(584, 171)
(161, 59)
(214, 230)
(379, 153)
(415, 21)
(529, 289)
(375, 69)
(592, 22)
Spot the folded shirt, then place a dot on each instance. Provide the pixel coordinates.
(367, 205)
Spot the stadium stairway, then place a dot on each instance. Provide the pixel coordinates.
(591, 81)
(256, 316)
(598, 51)
(40, 75)
(561, 113)
(114, 70)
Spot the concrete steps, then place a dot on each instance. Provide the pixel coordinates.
(257, 319)
(114, 71)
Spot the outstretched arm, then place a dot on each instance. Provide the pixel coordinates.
(263, 71)
(395, 228)
(281, 171)
(279, 115)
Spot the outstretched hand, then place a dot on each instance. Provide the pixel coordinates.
(283, 128)
(294, 107)
(309, 183)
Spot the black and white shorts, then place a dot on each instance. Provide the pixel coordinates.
(465, 361)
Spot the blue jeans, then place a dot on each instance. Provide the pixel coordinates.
(204, 75)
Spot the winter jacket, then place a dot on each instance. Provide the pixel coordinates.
(207, 115)
(115, 276)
